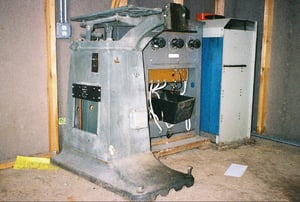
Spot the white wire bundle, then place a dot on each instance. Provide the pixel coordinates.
(153, 90)
(188, 121)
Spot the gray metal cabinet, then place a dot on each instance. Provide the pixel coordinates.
(228, 61)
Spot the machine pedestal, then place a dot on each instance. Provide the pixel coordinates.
(136, 177)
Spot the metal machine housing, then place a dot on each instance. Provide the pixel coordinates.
(107, 136)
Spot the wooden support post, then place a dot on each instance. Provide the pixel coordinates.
(51, 76)
(123, 3)
(219, 7)
(265, 66)
(178, 2)
(114, 3)
(118, 3)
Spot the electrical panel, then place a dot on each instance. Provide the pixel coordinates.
(172, 65)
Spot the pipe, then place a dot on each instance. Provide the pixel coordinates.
(60, 11)
(275, 139)
(63, 11)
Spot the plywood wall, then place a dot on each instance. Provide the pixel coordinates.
(23, 91)
(283, 112)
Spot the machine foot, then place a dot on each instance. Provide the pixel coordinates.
(139, 177)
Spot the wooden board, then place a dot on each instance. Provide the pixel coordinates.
(265, 66)
(51, 76)
(164, 140)
(118, 3)
(178, 2)
(164, 146)
(219, 7)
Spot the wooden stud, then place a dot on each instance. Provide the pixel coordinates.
(178, 2)
(265, 66)
(51, 76)
(118, 3)
(219, 7)
(123, 3)
(113, 3)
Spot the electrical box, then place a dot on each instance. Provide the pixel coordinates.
(228, 62)
(63, 30)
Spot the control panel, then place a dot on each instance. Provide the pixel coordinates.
(173, 50)
(172, 71)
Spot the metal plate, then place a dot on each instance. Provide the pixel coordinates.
(92, 93)
(139, 177)
(122, 11)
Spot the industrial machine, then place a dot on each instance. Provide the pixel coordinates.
(172, 70)
(134, 76)
(228, 63)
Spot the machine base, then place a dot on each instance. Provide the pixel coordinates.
(139, 177)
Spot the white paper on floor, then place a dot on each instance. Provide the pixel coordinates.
(235, 170)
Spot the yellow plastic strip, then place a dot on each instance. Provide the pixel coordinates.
(40, 163)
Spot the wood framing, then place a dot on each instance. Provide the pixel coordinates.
(219, 7)
(178, 2)
(164, 140)
(6, 165)
(265, 66)
(51, 76)
(118, 3)
(164, 146)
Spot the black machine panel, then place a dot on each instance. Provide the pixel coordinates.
(92, 93)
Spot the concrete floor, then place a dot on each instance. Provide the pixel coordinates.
(273, 174)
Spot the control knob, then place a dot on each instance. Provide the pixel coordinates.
(177, 43)
(194, 43)
(158, 42)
